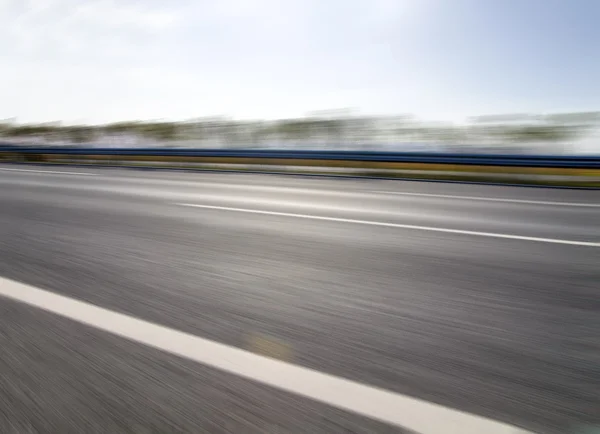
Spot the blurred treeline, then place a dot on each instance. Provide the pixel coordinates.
(335, 129)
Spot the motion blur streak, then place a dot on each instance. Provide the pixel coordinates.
(60, 172)
(376, 403)
(501, 329)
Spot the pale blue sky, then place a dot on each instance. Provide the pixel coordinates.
(103, 60)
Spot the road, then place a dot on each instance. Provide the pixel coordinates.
(482, 299)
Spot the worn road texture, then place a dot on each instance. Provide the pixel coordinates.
(506, 328)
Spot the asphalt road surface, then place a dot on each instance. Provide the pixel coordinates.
(482, 299)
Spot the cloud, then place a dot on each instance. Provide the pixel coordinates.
(42, 29)
(109, 59)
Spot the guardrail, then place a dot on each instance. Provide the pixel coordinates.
(510, 168)
(591, 162)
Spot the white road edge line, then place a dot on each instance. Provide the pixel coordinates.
(48, 171)
(397, 225)
(491, 199)
(389, 407)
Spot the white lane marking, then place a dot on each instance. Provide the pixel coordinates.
(397, 225)
(48, 171)
(491, 199)
(389, 407)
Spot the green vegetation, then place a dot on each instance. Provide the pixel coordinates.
(513, 132)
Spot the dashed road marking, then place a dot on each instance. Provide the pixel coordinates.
(397, 225)
(492, 199)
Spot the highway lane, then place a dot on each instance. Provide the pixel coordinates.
(504, 328)
(363, 199)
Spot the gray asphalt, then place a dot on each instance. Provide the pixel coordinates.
(502, 328)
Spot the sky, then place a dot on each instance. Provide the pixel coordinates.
(96, 61)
